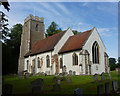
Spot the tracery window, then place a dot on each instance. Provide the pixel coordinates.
(75, 59)
(95, 53)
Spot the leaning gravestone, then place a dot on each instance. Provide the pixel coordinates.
(78, 92)
(37, 86)
(100, 90)
(70, 72)
(102, 76)
(7, 89)
(69, 80)
(26, 76)
(74, 73)
(56, 87)
(107, 88)
(115, 85)
(96, 78)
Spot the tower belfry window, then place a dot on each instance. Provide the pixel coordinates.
(36, 28)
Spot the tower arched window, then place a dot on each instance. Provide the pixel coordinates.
(27, 64)
(36, 28)
(48, 61)
(75, 59)
(95, 53)
(38, 62)
(61, 63)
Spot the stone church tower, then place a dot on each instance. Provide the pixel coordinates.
(33, 30)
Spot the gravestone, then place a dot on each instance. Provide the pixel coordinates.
(74, 73)
(102, 76)
(60, 75)
(107, 88)
(7, 89)
(58, 81)
(69, 80)
(78, 92)
(70, 72)
(55, 79)
(26, 76)
(100, 90)
(63, 79)
(109, 76)
(56, 74)
(115, 85)
(20, 75)
(37, 86)
(56, 87)
(96, 78)
(66, 74)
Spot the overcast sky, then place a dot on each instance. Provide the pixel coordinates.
(79, 16)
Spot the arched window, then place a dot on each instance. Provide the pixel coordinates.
(48, 61)
(61, 63)
(75, 59)
(36, 28)
(95, 53)
(38, 62)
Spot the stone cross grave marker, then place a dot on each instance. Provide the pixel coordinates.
(37, 86)
(69, 80)
(74, 73)
(96, 78)
(107, 88)
(78, 92)
(102, 76)
(70, 72)
(100, 90)
(115, 85)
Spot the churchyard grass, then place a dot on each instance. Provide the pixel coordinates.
(85, 82)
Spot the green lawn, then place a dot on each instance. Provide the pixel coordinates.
(84, 82)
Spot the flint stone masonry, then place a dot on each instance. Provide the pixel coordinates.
(30, 36)
(78, 92)
(37, 86)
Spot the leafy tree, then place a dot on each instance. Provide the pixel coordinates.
(112, 63)
(75, 32)
(11, 49)
(53, 29)
(6, 5)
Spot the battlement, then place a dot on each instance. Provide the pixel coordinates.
(34, 18)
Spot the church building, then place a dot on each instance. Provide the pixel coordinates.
(83, 53)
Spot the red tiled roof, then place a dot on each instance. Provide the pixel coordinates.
(75, 42)
(46, 44)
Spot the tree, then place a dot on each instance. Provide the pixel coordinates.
(6, 5)
(53, 29)
(75, 32)
(11, 49)
(112, 63)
